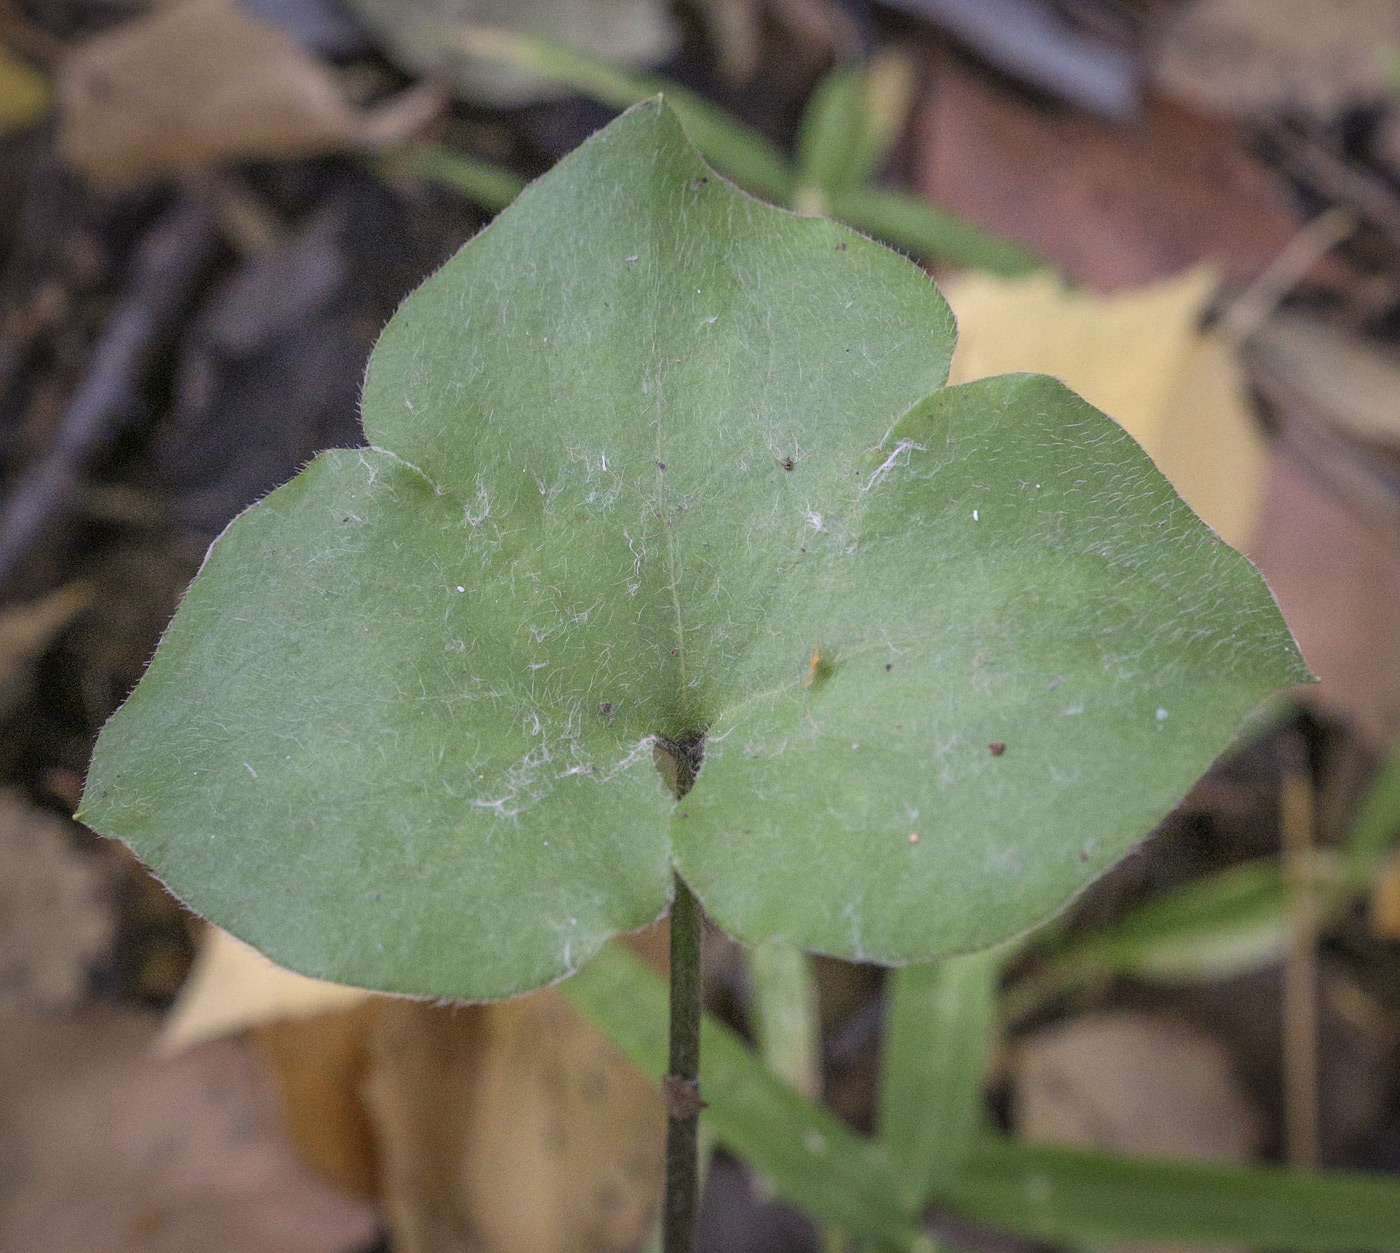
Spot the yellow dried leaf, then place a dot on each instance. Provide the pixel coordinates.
(24, 93)
(234, 987)
(517, 1122)
(1139, 357)
(322, 1063)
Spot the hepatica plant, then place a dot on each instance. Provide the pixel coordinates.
(672, 566)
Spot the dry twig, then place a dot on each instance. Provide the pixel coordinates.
(165, 265)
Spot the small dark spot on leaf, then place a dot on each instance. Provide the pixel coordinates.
(748, 830)
(803, 549)
(889, 665)
(606, 708)
(675, 652)
(1083, 854)
(345, 519)
(841, 247)
(786, 463)
(660, 465)
(996, 748)
(379, 896)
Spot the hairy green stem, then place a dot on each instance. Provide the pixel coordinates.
(682, 1083)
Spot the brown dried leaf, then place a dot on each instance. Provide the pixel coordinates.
(1110, 205)
(1336, 576)
(322, 1064)
(1132, 1084)
(1329, 539)
(199, 82)
(123, 1149)
(1247, 57)
(56, 917)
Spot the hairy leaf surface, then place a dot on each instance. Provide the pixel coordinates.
(654, 463)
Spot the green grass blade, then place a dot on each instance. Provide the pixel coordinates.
(1063, 1194)
(482, 182)
(804, 1152)
(1213, 928)
(830, 134)
(735, 149)
(1218, 927)
(786, 1016)
(941, 1019)
(1041, 1192)
(852, 120)
(889, 89)
(1373, 830)
(917, 227)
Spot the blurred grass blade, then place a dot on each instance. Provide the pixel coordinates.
(804, 1152)
(851, 123)
(1218, 927)
(917, 227)
(736, 150)
(941, 1019)
(785, 1015)
(1036, 1191)
(856, 119)
(25, 94)
(1374, 828)
(1066, 1195)
(890, 82)
(827, 138)
(483, 182)
(1213, 928)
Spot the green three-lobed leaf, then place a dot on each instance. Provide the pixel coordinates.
(654, 463)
